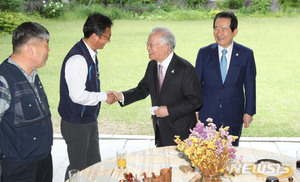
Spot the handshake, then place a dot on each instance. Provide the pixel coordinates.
(159, 111)
(113, 96)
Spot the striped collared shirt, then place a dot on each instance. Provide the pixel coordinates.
(5, 96)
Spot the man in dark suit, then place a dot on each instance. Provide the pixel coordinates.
(227, 74)
(173, 86)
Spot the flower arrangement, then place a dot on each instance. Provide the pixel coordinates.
(208, 149)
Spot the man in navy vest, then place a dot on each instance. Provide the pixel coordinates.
(80, 95)
(26, 133)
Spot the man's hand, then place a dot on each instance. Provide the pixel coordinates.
(161, 112)
(118, 95)
(111, 98)
(247, 120)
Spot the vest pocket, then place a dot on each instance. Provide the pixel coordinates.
(33, 141)
(27, 111)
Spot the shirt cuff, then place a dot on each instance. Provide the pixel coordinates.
(102, 96)
(123, 100)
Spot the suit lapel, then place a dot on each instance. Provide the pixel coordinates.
(169, 74)
(216, 63)
(234, 64)
(155, 78)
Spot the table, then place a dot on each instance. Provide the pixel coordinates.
(154, 159)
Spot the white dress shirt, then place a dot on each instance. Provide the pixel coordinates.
(76, 72)
(228, 54)
(165, 64)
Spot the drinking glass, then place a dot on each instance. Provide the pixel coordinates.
(298, 159)
(121, 158)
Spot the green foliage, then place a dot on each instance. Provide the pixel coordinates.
(181, 15)
(195, 3)
(116, 13)
(287, 5)
(212, 13)
(235, 4)
(131, 2)
(261, 6)
(12, 5)
(52, 9)
(10, 20)
(230, 4)
(86, 2)
(246, 10)
(82, 11)
(223, 5)
(168, 6)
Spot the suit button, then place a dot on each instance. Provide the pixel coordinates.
(223, 87)
(220, 100)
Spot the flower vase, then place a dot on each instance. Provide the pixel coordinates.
(211, 178)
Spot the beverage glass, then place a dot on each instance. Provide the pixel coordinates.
(73, 175)
(298, 159)
(121, 158)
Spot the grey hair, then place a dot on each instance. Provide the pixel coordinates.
(26, 31)
(166, 38)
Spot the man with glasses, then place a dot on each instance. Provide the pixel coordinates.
(80, 95)
(173, 86)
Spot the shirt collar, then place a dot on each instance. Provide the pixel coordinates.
(167, 61)
(31, 77)
(229, 49)
(92, 53)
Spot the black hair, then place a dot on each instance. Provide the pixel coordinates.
(229, 14)
(96, 23)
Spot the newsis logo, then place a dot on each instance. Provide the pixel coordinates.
(270, 169)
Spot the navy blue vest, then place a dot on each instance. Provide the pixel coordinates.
(26, 132)
(68, 110)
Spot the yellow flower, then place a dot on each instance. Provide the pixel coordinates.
(207, 148)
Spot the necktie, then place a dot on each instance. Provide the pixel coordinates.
(223, 65)
(160, 77)
(160, 82)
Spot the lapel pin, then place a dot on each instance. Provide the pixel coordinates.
(172, 71)
(237, 54)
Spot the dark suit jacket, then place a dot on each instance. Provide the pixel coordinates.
(226, 103)
(181, 92)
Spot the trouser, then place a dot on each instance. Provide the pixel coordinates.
(0, 171)
(235, 131)
(158, 140)
(35, 171)
(82, 144)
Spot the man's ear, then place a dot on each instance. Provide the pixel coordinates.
(235, 32)
(94, 36)
(167, 47)
(30, 49)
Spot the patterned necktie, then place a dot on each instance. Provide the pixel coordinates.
(223, 65)
(160, 77)
(160, 82)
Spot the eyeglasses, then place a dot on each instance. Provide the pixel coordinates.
(152, 44)
(108, 37)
